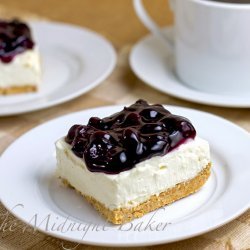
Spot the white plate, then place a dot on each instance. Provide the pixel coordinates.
(27, 178)
(153, 63)
(74, 61)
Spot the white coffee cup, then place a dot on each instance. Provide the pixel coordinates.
(211, 44)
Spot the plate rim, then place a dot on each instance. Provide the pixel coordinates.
(127, 244)
(98, 81)
(241, 102)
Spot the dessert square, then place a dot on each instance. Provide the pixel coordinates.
(20, 69)
(134, 161)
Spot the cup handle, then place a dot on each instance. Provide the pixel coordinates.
(150, 24)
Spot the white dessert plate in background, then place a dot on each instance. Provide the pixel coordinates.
(30, 190)
(153, 63)
(74, 61)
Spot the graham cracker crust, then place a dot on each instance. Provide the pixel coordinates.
(18, 90)
(124, 215)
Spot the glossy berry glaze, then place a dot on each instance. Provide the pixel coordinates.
(15, 38)
(118, 142)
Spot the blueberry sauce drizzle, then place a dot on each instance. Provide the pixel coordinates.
(138, 132)
(15, 38)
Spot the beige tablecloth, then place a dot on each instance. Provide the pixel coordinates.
(124, 88)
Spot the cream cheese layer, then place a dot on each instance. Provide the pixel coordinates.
(134, 186)
(24, 69)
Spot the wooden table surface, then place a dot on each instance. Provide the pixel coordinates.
(116, 20)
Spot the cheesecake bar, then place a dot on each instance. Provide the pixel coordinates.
(20, 69)
(134, 161)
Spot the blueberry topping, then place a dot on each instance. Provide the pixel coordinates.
(15, 38)
(117, 143)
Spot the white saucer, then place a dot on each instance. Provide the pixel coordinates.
(153, 63)
(28, 187)
(74, 61)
